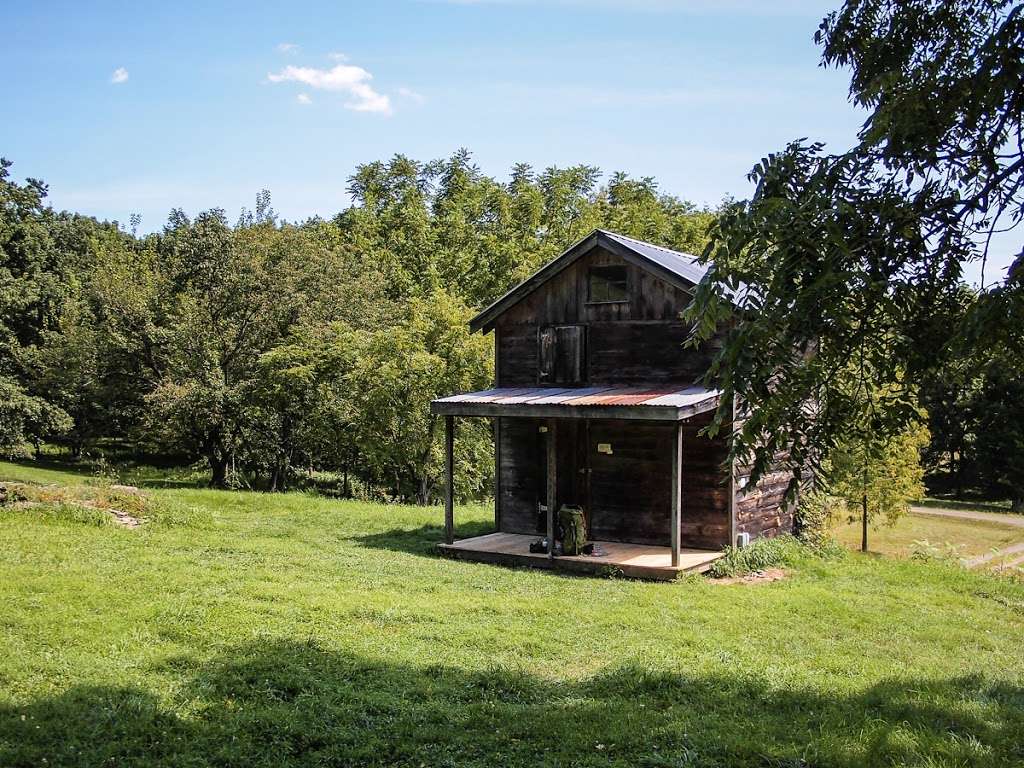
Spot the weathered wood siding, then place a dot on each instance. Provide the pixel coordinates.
(627, 494)
(760, 508)
(520, 475)
(522, 471)
(630, 490)
(635, 341)
(705, 515)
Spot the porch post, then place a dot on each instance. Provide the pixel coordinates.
(677, 491)
(552, 485)
(449, 479)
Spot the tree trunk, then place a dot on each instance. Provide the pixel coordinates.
(218, 470)
(864, 522)
(1017, 505)
(423, 494)
(957, 465)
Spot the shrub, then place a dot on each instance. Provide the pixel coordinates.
(927, 551)
(815, 517)
(762, 554)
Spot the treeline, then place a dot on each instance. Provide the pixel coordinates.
(975, 410)
(267, 349)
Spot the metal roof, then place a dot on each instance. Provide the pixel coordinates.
(679, 269)
(652, 403)
(677, 262)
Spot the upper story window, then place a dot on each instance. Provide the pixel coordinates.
(606, 284)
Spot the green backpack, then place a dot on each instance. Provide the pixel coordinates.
(574, 529)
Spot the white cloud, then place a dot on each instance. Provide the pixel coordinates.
(414, 96)
(337, 56)
(120, 76)
(287, 48)
(303, 98)
(343, 78)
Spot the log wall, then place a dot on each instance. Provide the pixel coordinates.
(760, 508)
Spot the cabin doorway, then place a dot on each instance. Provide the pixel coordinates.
(572, 472)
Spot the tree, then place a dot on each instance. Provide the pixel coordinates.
(301, 403)
(34, 287)
(222, 298)
(859, 255)
(879, 475)
(998, 411)
(265, 346)
(398, 372)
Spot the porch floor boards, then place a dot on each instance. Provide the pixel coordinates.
(639, 561)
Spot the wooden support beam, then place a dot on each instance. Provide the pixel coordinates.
(449, 479)
(497, 473)
(677, 493)
(732, 478)
(552, 484)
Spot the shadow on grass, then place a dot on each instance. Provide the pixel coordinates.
(288, 703)
(422, 540)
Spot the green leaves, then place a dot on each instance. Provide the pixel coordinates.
(849, 265)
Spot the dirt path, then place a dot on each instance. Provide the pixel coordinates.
(1009, 557)
(1005, 518)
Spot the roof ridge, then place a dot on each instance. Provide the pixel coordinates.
(649, 245)
(683, 270)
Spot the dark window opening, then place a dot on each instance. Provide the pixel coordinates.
(562, 354)
(608, 284)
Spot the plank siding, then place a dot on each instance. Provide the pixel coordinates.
(627, 495)
(705, 519)
(520, 475)
(634, 341)
(631, 493)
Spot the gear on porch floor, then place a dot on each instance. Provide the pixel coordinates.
(570, 535)
(590, 549)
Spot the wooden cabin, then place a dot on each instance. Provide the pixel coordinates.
(596, 404)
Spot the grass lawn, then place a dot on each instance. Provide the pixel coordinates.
(970, 537)
(277, 630)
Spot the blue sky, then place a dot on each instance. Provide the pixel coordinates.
(139, 107)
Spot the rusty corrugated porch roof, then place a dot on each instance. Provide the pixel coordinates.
(598, 402)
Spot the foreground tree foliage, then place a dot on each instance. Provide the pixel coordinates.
(274, 352)
(855, 260)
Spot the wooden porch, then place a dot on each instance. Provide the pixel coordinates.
(630, 492)
(638, 561)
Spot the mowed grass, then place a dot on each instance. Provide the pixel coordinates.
(968, 537)
(276, 630)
